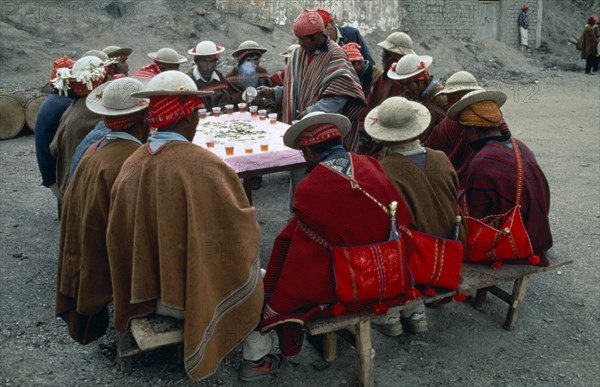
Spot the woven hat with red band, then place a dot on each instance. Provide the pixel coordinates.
(173, 96)
(308, 22)
(353, 51)
(316, 127)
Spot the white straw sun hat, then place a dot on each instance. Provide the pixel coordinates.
(114, 98)
(397, 119)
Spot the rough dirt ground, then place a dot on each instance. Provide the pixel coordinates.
(557, 336)
(555, 342)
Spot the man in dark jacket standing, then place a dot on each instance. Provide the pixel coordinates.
(524, 27)
(343, 35)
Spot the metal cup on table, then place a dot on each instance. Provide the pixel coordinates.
(249, 94)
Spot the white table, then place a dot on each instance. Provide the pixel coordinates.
(278, 158)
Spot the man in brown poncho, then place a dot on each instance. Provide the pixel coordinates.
(424, 177)
(77, 121)
(182, 238)
(83, 287)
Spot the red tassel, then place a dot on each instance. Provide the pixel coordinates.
(534, 260)
(380, 309)
(338, 310)
(413, 294)
(460, 297)
(429, 292)
(496, 265)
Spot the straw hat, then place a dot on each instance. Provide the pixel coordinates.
(116, 50)
(476, 96)
(248, 45)
(171, 82)
(114, 98)
(397, 119)
(206, 48)
(288, 53)
(460, 81)
(167, 55)
(408, 66)
(290, 138)
(97, 53)
(398, 42)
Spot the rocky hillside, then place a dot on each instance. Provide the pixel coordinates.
(33, 34)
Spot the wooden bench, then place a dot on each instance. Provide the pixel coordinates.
(148, 334)
(474, 277)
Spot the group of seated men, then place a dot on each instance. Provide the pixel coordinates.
(156, 224)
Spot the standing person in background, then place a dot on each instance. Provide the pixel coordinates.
(588, 44)
(343, 35)
(319, 77)
(207, 77)
(523, 27)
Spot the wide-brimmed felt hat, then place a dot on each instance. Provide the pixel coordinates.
(248, 45)
(206, 48)
(476, 96)
(290, 138)
(116, 50)
(288, 53)
(460, 81)
(398, 42)
(167, 55)
(114, 98)
(408, 66)
(171, 82)
(97, 53)
(397, 119)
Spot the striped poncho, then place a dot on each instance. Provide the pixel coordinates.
(329, 73)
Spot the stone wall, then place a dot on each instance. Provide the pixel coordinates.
(464, 19)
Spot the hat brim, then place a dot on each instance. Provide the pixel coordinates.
(94, 103)
(456, 89)
(260, 50)
(395, 49)
(476, 96)
(219, 50)
(393, 75)
(290, 138)
(121, 51)
(379, 132)
(157, 93)
(180, 60)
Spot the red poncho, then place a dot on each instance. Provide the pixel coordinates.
(299, 280)
(490, 187)
(447, 136)
(309, 78)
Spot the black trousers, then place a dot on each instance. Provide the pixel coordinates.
(591, 63)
